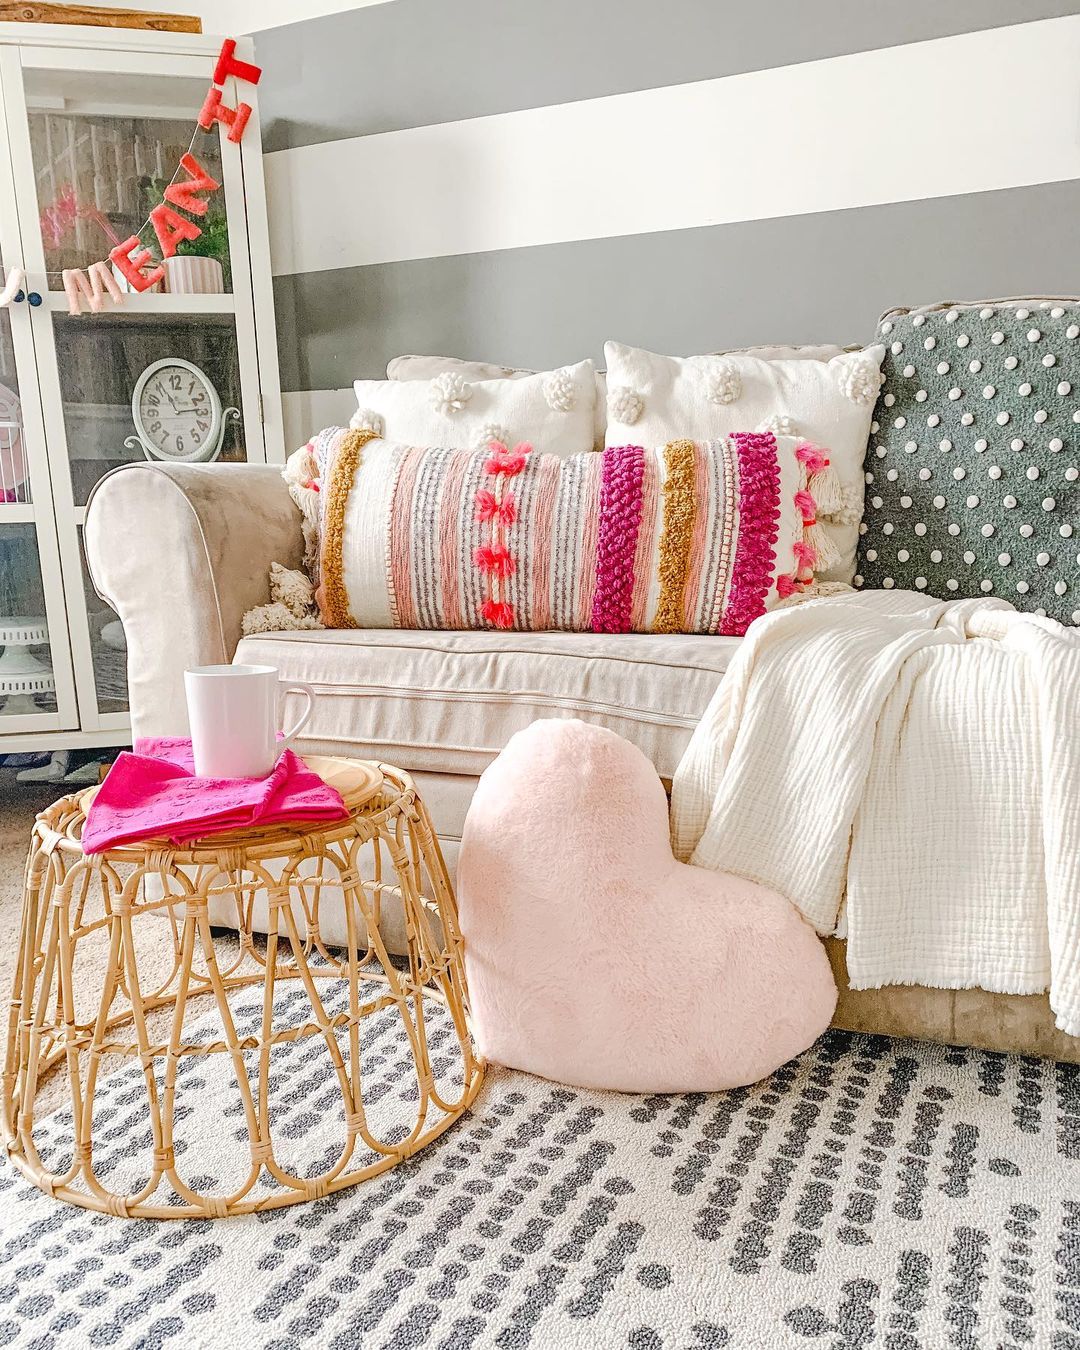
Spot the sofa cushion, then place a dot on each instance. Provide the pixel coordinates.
(449, 702)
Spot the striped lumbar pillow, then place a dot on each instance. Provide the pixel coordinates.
(697, 537)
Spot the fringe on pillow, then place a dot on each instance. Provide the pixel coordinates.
(301, 473)
(820, 493)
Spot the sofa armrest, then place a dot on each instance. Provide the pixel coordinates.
(181, 552)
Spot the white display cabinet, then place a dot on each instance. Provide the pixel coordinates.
(93, 123)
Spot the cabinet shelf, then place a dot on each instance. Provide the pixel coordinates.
(150, 303)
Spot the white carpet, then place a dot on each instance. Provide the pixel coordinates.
(873, 1193)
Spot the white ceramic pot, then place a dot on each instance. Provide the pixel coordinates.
(194, 276)
(126, 285)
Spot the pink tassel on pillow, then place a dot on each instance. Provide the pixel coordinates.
(489, 508)
(509, 462)
(785, 585)
(806, 504)
(498, 612)
(805, 553)
(494, 559)
(813, 457)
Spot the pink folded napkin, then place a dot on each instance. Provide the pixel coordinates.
(154, 792)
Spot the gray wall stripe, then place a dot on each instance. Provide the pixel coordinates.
(420, 62)
(812, 278)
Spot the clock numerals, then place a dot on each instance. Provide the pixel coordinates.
(176, 412)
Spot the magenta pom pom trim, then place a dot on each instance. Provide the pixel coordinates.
(759, 528)
(621, 495)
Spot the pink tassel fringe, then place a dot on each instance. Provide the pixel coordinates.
(806, 504)
(813, 457)
(498, 612)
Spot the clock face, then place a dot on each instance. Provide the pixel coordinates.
(177, 411)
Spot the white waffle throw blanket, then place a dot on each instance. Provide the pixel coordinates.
(921, 757)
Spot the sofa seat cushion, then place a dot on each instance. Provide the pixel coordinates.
(449, 702)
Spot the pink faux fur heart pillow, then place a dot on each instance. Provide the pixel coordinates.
(594, 958)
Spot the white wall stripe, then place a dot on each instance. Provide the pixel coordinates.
(939, 118)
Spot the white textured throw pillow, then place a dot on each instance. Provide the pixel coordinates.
(553, 410)
(427, 367)
(654, 399)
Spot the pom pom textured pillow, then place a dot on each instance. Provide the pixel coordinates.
(696, 537)
(651, 398)
(429, 367)
(973, 470)
(553, 410)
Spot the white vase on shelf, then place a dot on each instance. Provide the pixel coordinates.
(126, 285)
(193, 275)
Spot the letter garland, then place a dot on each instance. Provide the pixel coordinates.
(183, 198)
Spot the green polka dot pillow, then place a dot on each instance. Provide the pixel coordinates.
(973, 464)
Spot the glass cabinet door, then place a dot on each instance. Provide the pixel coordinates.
(37, 691)
(157, 376)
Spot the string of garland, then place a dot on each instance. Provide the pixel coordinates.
(184, 201)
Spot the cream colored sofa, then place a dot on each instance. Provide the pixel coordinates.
(182, 551)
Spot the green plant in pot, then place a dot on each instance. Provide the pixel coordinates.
(213, 243)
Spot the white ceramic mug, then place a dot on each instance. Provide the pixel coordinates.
(234, 711)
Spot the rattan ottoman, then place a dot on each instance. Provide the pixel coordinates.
(384, 853)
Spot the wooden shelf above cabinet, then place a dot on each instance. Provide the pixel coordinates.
(94, 16)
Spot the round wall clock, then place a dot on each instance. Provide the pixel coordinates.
(177, 413)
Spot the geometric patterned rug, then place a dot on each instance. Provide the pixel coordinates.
(871, 1193)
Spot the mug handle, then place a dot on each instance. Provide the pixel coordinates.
(299, 687)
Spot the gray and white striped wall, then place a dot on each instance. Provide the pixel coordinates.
(518, 181)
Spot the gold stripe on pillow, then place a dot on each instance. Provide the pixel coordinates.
(676, 536)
